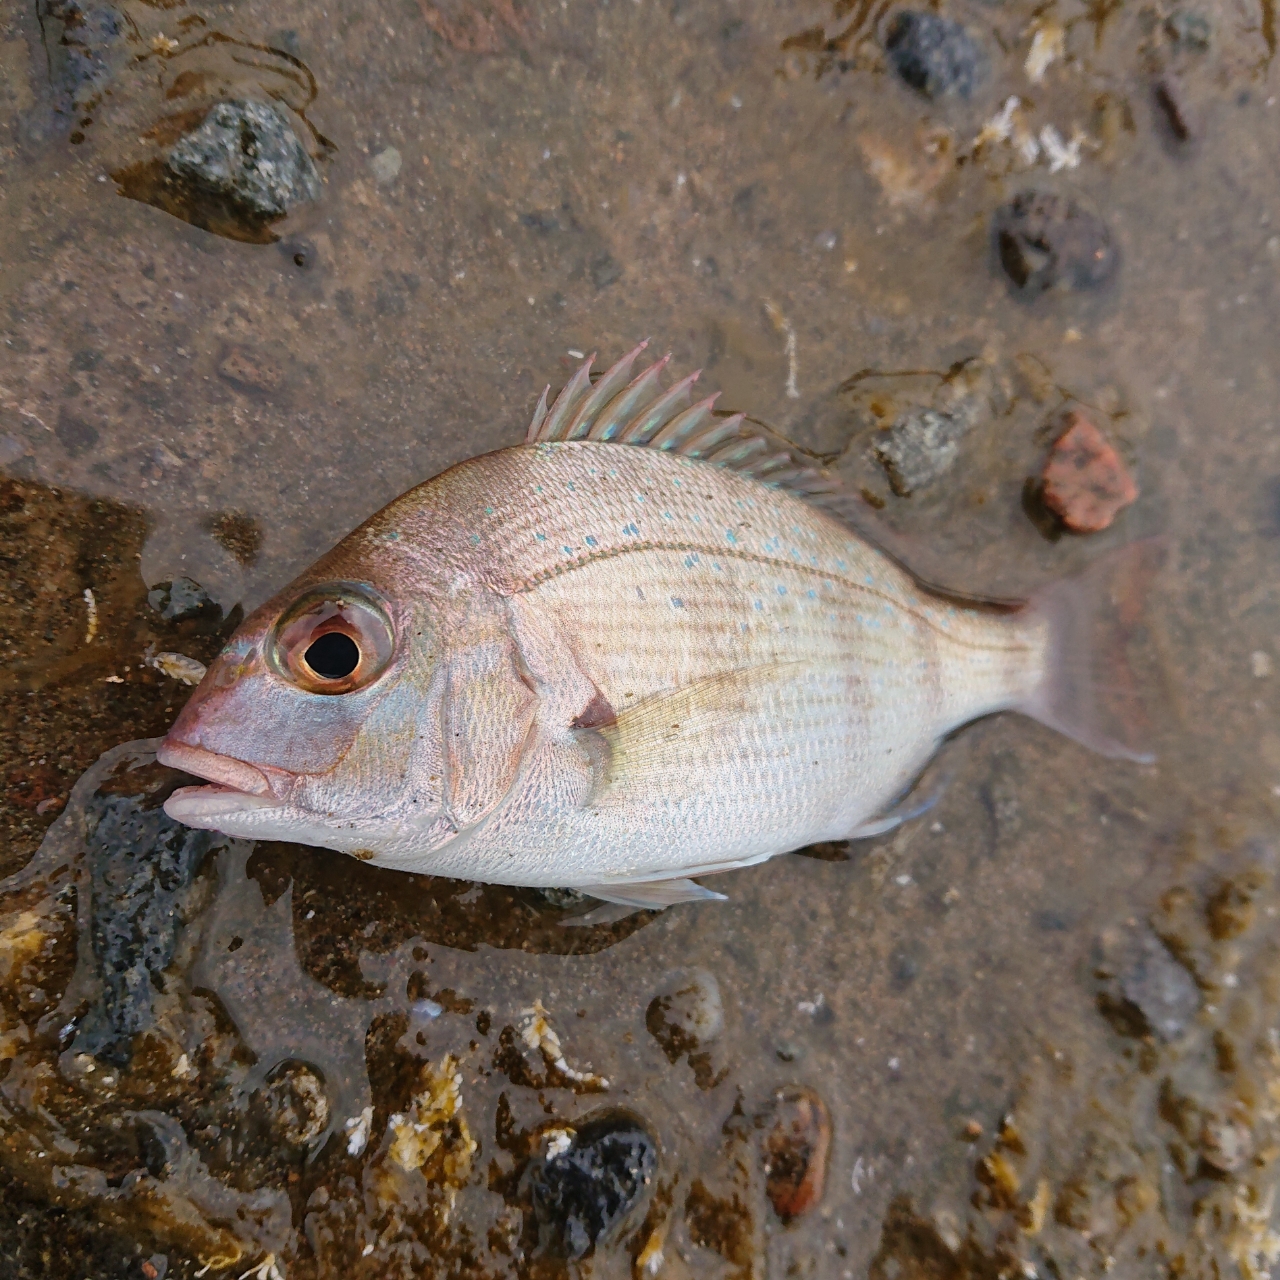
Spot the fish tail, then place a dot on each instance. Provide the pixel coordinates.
(1087, 689)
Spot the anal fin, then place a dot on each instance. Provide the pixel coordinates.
(652, 895)
(907, 808)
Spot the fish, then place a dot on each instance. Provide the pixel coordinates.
(651, 643)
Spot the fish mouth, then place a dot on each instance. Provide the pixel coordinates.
(236, 786)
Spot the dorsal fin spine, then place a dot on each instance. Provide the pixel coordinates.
(710, 438)
(664, 408)
(539, 417)
(642, 391)
(562, 412)
(676, 433)
(612, 381)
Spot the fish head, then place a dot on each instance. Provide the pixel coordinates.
(318, 723)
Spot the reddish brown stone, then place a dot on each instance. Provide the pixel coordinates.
(796, 1146)
(1085, 482)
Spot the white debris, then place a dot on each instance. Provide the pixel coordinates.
(1060, 154)
(183, 1070)
(177, 666)
(539, 1034)
(558, 1142)
(357, 1128)
(787, 329)
(812, 1006)
(1047, 46)
(91, 623)
(1000, 127)
(1260, 663)
(267, 1269)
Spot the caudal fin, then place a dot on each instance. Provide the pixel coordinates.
(1089, 690)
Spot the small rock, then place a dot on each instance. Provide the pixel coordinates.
(248, 153)
(181, 598)
(687, 1015)
(386, 166)
(582, 1189)
(249, 368)
(1085, 482)
(1156, 994)
(1172, 98)
(796, 1147)
(921, 446)
(1189, 29)
(292, 1104)
(605, 269)
(177, 666)
(1047, 240)
(933, 54)
(1227, 1145)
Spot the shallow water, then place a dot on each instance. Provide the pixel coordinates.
(753, 187)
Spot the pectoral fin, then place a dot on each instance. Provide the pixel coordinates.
(652, 895)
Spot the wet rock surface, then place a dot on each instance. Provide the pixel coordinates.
(668, 174)
(920, 447)
(1047, 241)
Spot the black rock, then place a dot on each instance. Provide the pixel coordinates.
(142, 865)
(247, 153)
(934, 55)
(1046, 240)
(181, 598)
(581, 1192)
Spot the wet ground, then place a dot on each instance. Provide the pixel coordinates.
(1041, 1026)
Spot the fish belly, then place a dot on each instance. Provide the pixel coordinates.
(758, 704)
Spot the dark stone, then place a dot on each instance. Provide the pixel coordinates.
(248, 153)
(142, 865)
(540, 220)
(85, 359)
(181, 598)
(85, 47)
(1046, 241)
(933, 54)
(300, 251)
(582, 1192)
(605, 269)
(75, 434)
(1172, 99)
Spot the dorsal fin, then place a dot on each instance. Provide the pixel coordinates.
(623, 410)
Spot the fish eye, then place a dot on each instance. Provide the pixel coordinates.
(335, 639)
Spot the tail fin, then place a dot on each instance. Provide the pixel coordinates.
(1089, 691)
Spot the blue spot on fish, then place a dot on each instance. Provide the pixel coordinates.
(567, 550)
(782, 591)
(541, 537)
(676, 602)
(760, 605)
(591, 542)
(475, 539)
(731, 536)
(632, 529)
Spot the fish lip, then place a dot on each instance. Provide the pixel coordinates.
(226, 772)
(202, 806)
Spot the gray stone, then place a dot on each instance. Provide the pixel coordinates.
(1158, 988)
(921, 446)
(933, 54)
(248, 153)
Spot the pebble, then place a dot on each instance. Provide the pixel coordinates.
(248, 153)
(687, 1015)
(1046, 240)
(386, 166)
(1157, 996)
(583, 1188)
(933, 54)
(796, 1147)
(1085, 482)
(921, 446)
(251, 369)
(1172, 100)
(181, 598)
